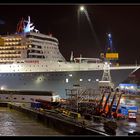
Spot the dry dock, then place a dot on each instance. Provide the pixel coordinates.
(57, 122)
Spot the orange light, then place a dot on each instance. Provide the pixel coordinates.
(112, 55)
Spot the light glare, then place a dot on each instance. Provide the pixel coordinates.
(82, 8)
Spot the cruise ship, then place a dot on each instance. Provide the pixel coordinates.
(31, 61)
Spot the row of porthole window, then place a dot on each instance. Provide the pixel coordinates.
(6, 59)
(54, 52)
(35, 75)
(7, 48)
(20, 70)
(31, 66)
(16, 98)
(67, 80)
(51, 46)
(32, 74)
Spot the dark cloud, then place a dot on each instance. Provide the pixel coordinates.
(2, 22)
(123, 21)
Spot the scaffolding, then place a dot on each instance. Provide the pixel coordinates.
(76, 97)
(87, 99)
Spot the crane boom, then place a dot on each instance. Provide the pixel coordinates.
(110, 108)
(106, 101)
(117, 107)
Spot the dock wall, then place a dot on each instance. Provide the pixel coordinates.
(63, 126)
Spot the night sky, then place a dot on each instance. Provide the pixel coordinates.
(122, 21)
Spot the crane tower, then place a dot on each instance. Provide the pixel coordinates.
(110, 54)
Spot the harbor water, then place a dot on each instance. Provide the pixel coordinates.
(14, 123)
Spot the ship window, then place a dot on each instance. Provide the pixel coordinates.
(6, 98)
(23, 98)
(97, 80)
(80, 80)
(15, 98)
(67, 80)
(89, 80)
(39, 47)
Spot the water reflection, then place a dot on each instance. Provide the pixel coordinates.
(14, 123)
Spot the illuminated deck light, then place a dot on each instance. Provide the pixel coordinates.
(82, 8)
